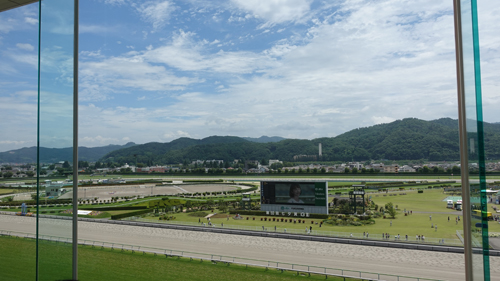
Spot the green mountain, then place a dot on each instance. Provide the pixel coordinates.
(155, 152)
(52, 155)
(407, 139)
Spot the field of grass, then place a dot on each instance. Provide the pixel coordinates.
(17, 257)
(6, 191)
(422, 204)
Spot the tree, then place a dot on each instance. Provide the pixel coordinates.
(455, 170)
(30, 173)
(347, 170)
(66, 165)
(426, 170)
(8, 174)
(390, 210)
(354, 170)
(276, 166)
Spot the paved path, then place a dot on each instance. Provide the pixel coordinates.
(438, 265)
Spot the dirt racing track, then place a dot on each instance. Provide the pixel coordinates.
(107, 192)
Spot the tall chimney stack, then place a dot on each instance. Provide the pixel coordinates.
(319, 149)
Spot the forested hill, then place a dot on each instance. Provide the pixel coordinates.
(407, 139)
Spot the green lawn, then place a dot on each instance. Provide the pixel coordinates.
(6, 191)
(416, 224)
(429, 201)
(17, 257)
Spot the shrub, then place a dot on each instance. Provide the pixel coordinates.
(198, 214)
(420, 191)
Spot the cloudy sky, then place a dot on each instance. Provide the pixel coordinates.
(160, 70)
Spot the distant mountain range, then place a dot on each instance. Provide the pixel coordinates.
(407, 139)
(92, 154)
(53, 155)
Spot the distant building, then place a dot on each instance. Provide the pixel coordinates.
(55, 189)
(391, 169)
(271, 161)
(406, 169)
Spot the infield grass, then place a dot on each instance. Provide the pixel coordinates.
(17, 257)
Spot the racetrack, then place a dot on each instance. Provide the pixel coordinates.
(437, 265)
(107, 192)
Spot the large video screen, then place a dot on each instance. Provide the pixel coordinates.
(294, 193)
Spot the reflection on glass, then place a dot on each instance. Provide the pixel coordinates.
(56, 131)
(475, 136)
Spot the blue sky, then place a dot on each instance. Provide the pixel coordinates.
(160, 70)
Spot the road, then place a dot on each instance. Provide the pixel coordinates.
(437, 265)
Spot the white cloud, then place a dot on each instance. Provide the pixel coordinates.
(97, 140)
(15, 142)
(156, 12)
(93, 28)
(23, 58)
(175, 135)
(276, 11)
(6, 25)
(382, 119)
(119, 74)
(115, 2)
(26, 47)
(186, 54)
(31, 20)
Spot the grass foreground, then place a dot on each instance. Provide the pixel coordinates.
(17, 257)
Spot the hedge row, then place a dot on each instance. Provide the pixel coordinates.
(124, 208)
(131, 214)
(33, 202)
(263, 213)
